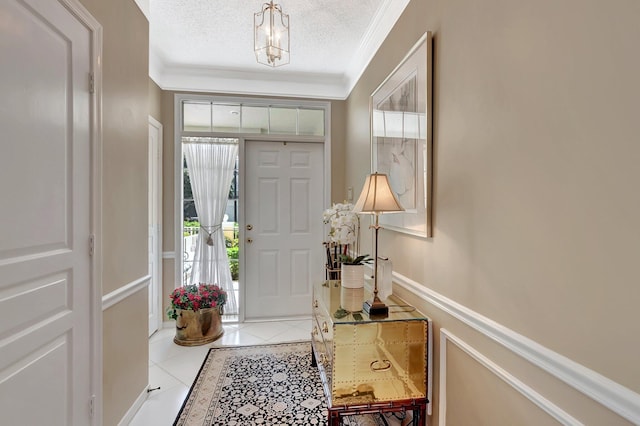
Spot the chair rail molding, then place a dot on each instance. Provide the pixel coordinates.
(118, 295)
(606, 392)
(547, 406)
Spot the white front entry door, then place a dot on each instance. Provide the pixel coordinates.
(155, 219)
(283, 227)
(45, 178)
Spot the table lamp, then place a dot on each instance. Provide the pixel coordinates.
(376, 198)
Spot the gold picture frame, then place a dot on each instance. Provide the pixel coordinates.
(400, 112)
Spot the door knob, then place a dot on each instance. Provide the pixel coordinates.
(249, 227)
(249, 240)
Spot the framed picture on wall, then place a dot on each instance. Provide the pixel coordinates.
(401, 139)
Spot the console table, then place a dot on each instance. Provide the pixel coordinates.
(370, 365)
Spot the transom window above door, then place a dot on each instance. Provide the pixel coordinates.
(203, 116)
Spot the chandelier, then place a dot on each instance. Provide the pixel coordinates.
(271, 35)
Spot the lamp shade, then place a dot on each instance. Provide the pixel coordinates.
(377, 196)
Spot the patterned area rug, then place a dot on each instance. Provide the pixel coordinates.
(270, 385)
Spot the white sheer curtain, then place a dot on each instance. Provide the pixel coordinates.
(210, 162)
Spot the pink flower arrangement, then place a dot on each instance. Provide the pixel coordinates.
(194, 297)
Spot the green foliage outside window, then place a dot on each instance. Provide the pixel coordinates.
(232, 253)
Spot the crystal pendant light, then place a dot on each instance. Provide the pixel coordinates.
(271, 35)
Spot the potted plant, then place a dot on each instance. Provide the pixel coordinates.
(352, 270)
(197, 310)
(352, 282)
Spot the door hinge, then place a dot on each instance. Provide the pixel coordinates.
(92, 243)
(91, 405)
(92, 83)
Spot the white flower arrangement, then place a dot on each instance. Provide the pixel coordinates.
(344, 223)
(343, 235)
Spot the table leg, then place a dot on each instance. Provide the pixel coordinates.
(334, 420)
(417, 417)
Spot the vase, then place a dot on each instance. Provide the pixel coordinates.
(352, 276)
(351, 299)
(199, 327)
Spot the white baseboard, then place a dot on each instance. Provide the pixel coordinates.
(550, 408)
(131, 412)
(612, 395)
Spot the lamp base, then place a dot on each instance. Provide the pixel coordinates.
(375, 308)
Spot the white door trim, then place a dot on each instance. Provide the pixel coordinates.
(242, 294)
(177, 163)
(156, 275)
(95, 118)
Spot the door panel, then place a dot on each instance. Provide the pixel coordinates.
(301, 265)
(45, 157)
(283, 248)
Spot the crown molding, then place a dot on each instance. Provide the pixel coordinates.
(243, 82)
(281, 83)
(143, 5)
(380, 27)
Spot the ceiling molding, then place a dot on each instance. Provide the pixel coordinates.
(279, 82)
(380, 27)
(143, 5)
(242, 82)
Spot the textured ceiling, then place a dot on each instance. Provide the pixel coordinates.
(205, 43)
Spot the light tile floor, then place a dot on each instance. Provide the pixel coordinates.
(174, 367)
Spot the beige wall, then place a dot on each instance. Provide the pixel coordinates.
(155, 100)
(126, 356)
(536, 200)
(125, 121)
(168, 150)
(125, 109)
(338, 149)
(168, 207)
(535, 203)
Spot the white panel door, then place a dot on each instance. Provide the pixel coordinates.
(45, 159)
(283, 227)
(155, 215)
